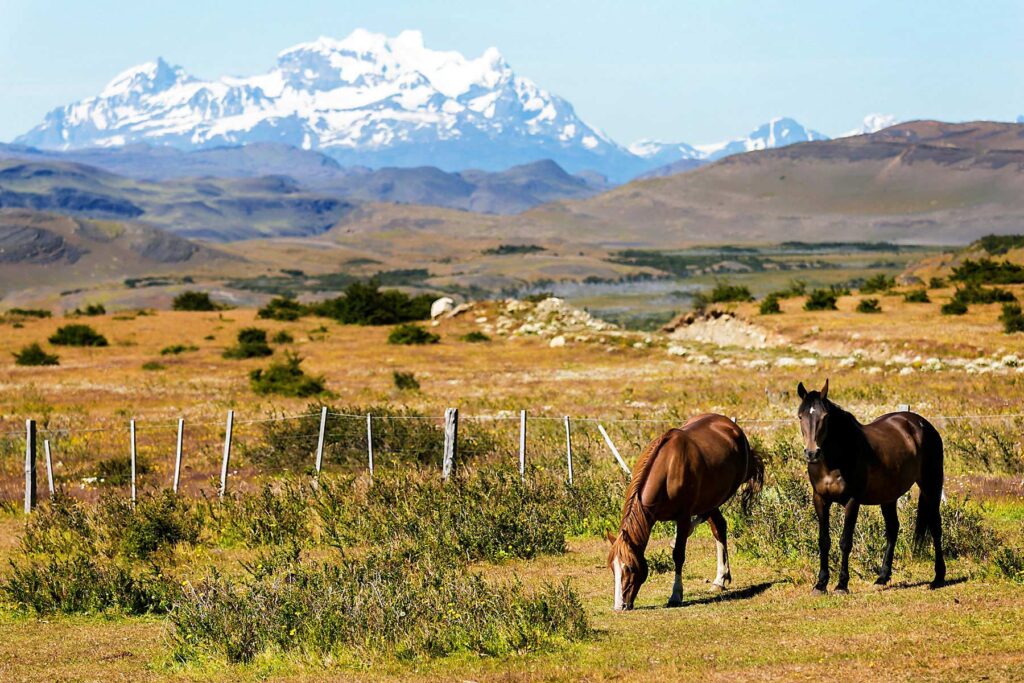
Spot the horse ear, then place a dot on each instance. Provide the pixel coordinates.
(610, 537)
(801, 391)
(824, 390)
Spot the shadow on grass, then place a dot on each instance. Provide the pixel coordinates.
(919, 584)
(725, 596)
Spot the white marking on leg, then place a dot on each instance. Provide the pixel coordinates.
(617, 569)
(677, 589)
(724, 573)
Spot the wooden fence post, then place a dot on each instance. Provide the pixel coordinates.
(522, 445)
(369, 443)
(320, 441)
(614, 450)
(177, 454)
(568, 447)
(451, 437)
(227, 454)
(903, 408)
(30, 465)
(49, 466)
(132, 429)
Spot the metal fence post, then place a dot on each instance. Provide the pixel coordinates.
(30, 465)
(320, 441)
(451, 437)
(49, 466)
(568, 447)
(132, 429)
(177, 454)
(614, 450)
(369, 443)
(227, 454)
(522, 445)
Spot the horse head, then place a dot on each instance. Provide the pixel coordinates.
(629, 568)
(813, 414)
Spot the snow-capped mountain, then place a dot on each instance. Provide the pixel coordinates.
(368, 99)
(872, 124)
(658, 153)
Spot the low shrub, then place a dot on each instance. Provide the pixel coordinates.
(972, 293)
(412, 335)
(156, 522)
(723, 292)
(917, 296)
(272, 516)
(33, 354)
(252, 343)
(117, 471)
(987, 271)
(868, 306)
(1011, 318)
(364, 303)
(286, 378)
(91, 310)
(77, 335)
(175, 349)
(283, 337)
(153, 366)
(1009, 562)
(821, 300)
(878, 283)
(28, 313)
(282, 308)
(194, 301)
(475, 337)
(405, 381)
(953, 307)
(936, 283)
(770, 305)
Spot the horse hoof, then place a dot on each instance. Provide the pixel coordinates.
(882, 581)
(674, 603)
(717, 587)
(841, 591)
(880, 585)
(937, 583)
(819, 591)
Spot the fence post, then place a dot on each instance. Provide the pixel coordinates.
(177, 455)
(49, 466)
(132, 428)
(369, 443)
(451, 437)
(227, 454)
(320, 441)
(614, 450)
(522, 445)
(568, 447)
(903, 408)
(30, 465)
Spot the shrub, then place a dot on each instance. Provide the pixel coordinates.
(1009, 562)
(286, 378)
(954, 307)
(972, 293)
(28, 313)
(194, 301)
(283, 337)
(153, 365)
(988, 271)
(77, 335)
(252, 343)
(33, 354)
(282, 308)
(273, 516)
(508, 249)
(475, 337)
(117, 471)
(405, 381)
(365, 304)
(878, 283)
(868, 306)
(1011, 318)
(411, 335)
(90, 310)
(821, 300)
(917, 296)
(175, 349)
(936, 283)
(724, 292)
(157, 522)
(770, 305)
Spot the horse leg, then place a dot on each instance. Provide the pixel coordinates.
(935, 526)
(718, 530)
(892, 531)
(821, 509)
(846, 545)
(683, 530)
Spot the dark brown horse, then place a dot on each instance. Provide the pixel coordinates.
(683, 476)
(874, 464)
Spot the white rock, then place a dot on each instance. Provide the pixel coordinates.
(676, 350)
(441, 306)
(557, 342)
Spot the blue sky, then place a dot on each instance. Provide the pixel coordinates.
(688, 70)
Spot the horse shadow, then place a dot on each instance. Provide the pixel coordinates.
(918, 584)
(745, 593)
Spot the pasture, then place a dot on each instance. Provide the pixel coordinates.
(201, 564)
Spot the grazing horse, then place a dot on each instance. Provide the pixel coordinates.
(683, 476)
(874, 464)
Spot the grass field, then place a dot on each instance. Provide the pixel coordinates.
(766, 627)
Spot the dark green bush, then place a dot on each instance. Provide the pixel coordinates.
(157, 522)
(286, 378)
(878, 283)
(365, 304)
(475, 337)
(117, 471)
(1011, 318)
(77, 335)
(282, 308)
(28, 313)
(283, 337)
(252, 343)
(821, 300)
(153, 366)
(724, 292)
(953, 307)
(405, 381)
(936, 283)
(987, 271)
(90, 310)
(33, 354)
(917, 296)
(770, 305)
(412, 335)
(175, 349)
(194, 301)
(272, 516)
(868, 306)
(972, 293)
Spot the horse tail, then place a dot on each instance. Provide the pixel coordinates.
(755, 479)
(931, 483)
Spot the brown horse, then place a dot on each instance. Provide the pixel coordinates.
(683, 476)
(874, 464)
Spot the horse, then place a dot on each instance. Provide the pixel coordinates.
(683, 476)
(853, 464)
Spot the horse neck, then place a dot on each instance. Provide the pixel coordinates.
(845, 429)
(635, 531)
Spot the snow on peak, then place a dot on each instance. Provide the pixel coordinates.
(872, 123)
(148, 77)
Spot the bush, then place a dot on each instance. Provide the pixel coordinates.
(412, 335)
(282, 308)
(28, 313)
(252, 343)
(770, 305)
(821, 300)
(194, 301)
(405, 381)
(286, 378)
(936, 283)
(273, 516)
(283, 337)
(917, 296)
(725, 292)
(33, 354)
(77, 335)
(475, 337)
(954, 307)
(175, 349)
(90, 310)
(868, 306)
(972, 293)
(987, 271)
(878, 283)
(365, 304)
(1011, 318)
(1009, 562)
(153, 365)
(157, 522)
(117, 471)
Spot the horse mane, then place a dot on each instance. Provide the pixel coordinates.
(635, 529)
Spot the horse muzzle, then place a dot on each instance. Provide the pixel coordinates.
(812, 456)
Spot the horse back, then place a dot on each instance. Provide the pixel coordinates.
(905, 449)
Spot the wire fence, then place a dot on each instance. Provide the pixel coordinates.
(196, 456)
